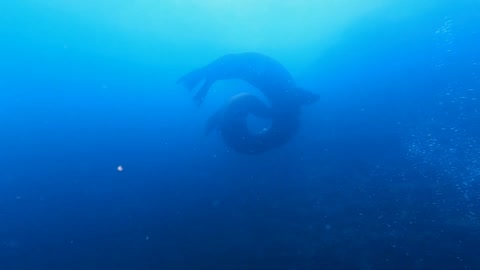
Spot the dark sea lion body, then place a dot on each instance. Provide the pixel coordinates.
(236, 134)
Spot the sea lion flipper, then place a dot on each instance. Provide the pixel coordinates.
(214, 121)
(191, 79)
(305, 97)
(202, 92)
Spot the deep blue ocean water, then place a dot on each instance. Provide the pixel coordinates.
(383, 174)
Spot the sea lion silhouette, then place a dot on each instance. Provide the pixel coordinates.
(268, 76)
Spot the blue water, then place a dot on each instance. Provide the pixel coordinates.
(383, 174)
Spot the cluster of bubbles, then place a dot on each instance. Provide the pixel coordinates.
(447, 138)
(444, 43)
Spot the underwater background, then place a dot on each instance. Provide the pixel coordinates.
(383, 174)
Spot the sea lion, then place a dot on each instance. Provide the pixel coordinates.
(268, 76)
